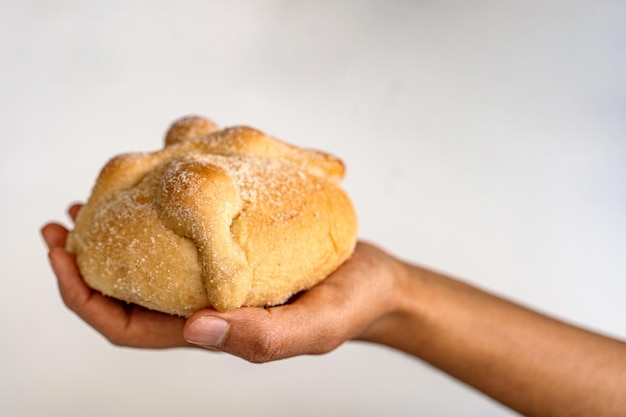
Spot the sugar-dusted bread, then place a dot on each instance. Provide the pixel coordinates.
(222, 218)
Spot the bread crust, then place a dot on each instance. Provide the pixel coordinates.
(218, 218)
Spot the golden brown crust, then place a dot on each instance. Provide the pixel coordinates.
(189, 127)
(223, 218)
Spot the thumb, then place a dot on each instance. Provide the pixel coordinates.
(261, 335)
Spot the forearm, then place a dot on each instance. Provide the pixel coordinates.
(532, 363)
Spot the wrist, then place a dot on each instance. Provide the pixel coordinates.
(399, 322)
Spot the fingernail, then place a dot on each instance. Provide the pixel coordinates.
(206, 331)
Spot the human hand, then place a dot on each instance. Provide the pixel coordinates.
(355, 302)
(121, 323)
(358, 301)
(477, 337)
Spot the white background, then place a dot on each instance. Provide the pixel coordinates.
(485, 139)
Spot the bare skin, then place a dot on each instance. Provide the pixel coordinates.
(532, 363)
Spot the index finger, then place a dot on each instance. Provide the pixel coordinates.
(73, 210)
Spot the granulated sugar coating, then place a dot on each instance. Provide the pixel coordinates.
(218, 218)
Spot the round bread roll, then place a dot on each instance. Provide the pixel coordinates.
(222, 218)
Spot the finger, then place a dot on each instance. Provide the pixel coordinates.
(261, 335)
(73, 210)
(54, 235)
(121, 325)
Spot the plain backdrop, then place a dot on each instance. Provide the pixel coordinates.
(485, 139)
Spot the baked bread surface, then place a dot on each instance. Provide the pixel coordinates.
(218, 218)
